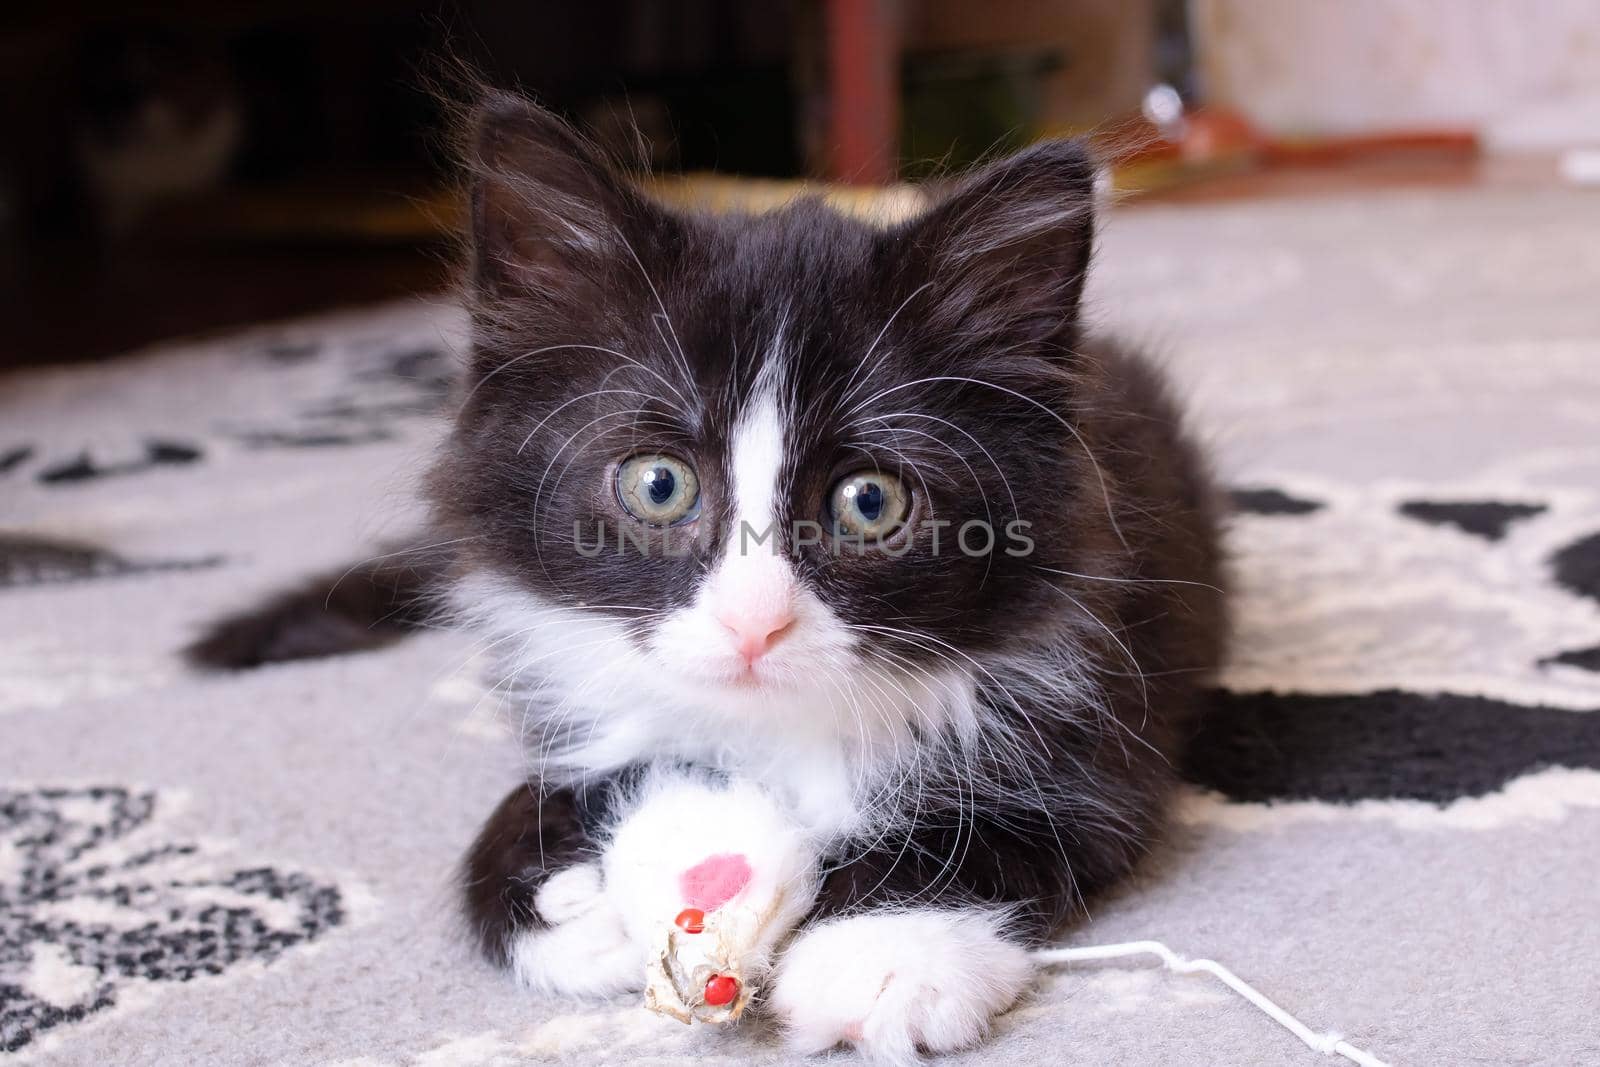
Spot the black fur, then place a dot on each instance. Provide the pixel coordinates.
(529, 837)
(367, 606)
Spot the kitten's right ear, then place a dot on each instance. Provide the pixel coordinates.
(548, 210)
(1007, 248)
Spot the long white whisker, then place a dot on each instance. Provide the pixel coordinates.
(850, 384)
(556, 348)
(677, 345)
(1105, 493)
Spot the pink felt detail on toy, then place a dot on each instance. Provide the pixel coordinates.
(715, 880)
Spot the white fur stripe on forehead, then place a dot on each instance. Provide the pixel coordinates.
(756, 448)
(756, 460)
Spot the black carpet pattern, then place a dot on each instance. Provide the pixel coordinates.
(385, 386)
(1259, 501)
(1576, 567)
(1488, 519)
(95, 897)
(1385, 745)
(26, 560)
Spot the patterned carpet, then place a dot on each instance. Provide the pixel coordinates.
(1396, 804)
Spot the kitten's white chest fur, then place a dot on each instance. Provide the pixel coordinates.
(592, 704)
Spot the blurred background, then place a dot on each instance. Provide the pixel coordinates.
(204, 165)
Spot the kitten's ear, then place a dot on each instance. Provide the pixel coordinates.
(548, 209)
(1006, 251)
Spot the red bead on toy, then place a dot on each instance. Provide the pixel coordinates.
(721, 990)
(691, 920)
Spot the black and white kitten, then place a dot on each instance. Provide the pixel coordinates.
(838, 549)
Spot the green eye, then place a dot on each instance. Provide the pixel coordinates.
(659, 490)
(869, 504)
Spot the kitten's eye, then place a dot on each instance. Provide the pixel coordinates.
(869, 504)
(659, 490)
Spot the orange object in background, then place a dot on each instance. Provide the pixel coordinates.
(1214, 141)
(864, 97)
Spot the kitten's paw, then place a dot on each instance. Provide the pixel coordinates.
(894, 983)
(731, 854)
(585, 950)
(569, 893)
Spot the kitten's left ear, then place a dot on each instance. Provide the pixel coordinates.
(1006, 252)
(548, 209)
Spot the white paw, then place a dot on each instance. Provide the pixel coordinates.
(894, 983)
(585, 951)
(730, 847)
(569, 893)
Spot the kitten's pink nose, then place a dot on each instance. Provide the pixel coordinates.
(756, 630)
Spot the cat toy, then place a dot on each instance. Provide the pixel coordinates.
(696, 971)
(695, 976)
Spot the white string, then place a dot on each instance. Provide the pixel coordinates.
(1328, 1044)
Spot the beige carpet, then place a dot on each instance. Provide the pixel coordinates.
(1397, 806)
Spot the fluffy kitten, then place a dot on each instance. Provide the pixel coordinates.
(720, 490)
